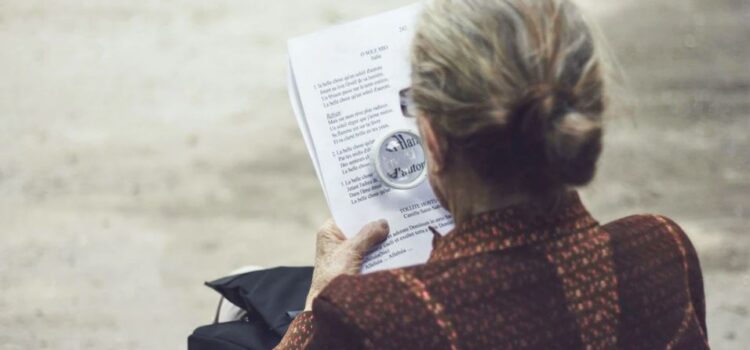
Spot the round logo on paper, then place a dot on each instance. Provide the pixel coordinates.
(400, 159)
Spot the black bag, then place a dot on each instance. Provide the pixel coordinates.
(272, 299)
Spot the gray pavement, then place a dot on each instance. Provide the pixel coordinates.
(147, 146)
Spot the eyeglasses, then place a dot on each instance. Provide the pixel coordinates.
(407, 103)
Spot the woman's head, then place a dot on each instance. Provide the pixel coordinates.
(512, 91)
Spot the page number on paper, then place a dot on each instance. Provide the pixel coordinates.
(402, 29)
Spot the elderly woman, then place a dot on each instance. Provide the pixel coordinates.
(509, 96)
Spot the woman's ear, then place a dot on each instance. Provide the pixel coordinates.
(433, 145)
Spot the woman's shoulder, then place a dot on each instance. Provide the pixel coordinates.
(643, 230)
(650, 238)
(657, 267)
(654, 251)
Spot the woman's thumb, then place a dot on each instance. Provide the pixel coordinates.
(370, 235)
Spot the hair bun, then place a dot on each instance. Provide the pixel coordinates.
(559, 143)
(573, 147)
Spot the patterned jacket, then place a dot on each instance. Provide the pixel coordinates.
(518, 279)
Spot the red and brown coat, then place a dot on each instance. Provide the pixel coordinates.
(518, 279)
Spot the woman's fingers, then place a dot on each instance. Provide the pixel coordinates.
(370, 235)
(329, 236)
(330, 232)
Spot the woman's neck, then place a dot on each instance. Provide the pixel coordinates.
(474, 196)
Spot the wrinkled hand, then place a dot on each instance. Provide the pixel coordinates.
(335, 255)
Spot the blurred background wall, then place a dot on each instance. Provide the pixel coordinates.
(147, 146)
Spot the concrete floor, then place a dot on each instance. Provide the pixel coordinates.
(147, 146)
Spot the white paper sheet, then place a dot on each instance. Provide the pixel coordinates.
(344, 86)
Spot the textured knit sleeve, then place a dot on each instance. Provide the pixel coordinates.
(695, 276)
(299, 333)
(696, 287)
(324, 328)
(333, 329)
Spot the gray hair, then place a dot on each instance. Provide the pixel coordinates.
(515, 84)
